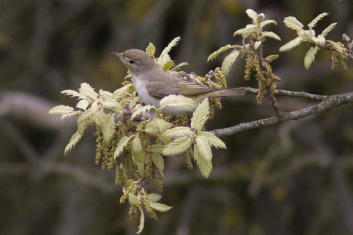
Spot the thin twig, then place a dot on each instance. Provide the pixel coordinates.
(303, 94)
(325, 106)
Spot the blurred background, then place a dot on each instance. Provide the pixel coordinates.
(292, 178)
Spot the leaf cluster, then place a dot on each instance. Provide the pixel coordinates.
(133, 140)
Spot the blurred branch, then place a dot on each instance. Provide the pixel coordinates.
(326, 105)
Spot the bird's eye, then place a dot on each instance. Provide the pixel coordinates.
(131, 62)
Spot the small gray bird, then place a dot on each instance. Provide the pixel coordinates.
(153, 84)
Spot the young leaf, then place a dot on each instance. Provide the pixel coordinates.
(88, 91)
(163, 59)
(313, 23)
(82, 104)
(215, 54)
(336, 46)
(291, 44)
(150, 49)
(105, 95)
(292, 23)
(204, 147)
(75, 138)
(176, 100)
(158, 160)
(212, 139)
(200, 115)
(142, 221)
(154, 197)
(257, 44)
(140, 168)
(167, 65)
(120, 93)
(228, 61)
(252, 14)
(178, 132)
(61, 110)
(271, 35)
(172, 44)
(108, 128)
(137, 151)
(73, 93)
(328, 29)
(133, 200)
(121, 145)
(84, 121)
(176, 68)
(266, 22)
(157, 126)
(310, 57)
(160, 207)
(177, 147)
(204, 165)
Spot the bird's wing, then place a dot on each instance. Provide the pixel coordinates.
(190, 88)
(176, 86)
(159, 91)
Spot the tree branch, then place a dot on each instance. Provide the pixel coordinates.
(326, 105)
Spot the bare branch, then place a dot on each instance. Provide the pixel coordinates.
(325, 106)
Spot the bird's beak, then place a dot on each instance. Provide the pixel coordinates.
(120, 55)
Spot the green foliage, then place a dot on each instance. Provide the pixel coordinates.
(133, 139)
(319, 42)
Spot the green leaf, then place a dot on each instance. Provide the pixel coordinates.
(257, 44)
(252, 14)
(204, 147)
(215, 54)
(313, 23)
(228, 61)
(200, 115)
(271, 35)
(172, 44)
(178, 132)
(82, 104)
(137, 151)
(266, 22)
(105, 95)
(121, 92)
(291, 44)
(61, 110)
(328, 29)
(150, 49)
(163, 59)
(167, 65)
(177, 146)
(73, 93)
(154, 197)
(292, 23)
(75, 138)
(84, 121)
(310, 57)
(247, 31)
(140, 168)
(158, 160)
(176, 68)
(160, 207)
(121, 145)
(142, 221)
(176, 100)
(212, 139)
(204, 165)
(88, 91)
(157, 126)
(133, 200)
(157, 148)
(108, 128)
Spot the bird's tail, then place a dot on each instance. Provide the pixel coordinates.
(226, 92)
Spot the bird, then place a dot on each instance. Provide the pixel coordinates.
(153, 84)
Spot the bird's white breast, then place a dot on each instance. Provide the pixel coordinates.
(142, 92)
